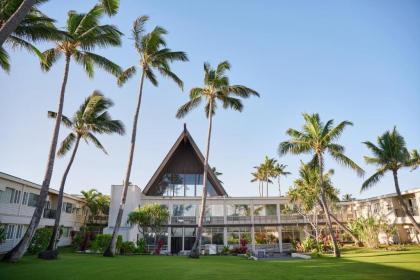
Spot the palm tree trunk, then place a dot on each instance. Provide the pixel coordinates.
(325, 207)
(346, 229)
(53, 241)
(195, 251)
(266, 189)
(110, 251)
(17, 252)
(404, 206)
(13, 22)
(279, 185)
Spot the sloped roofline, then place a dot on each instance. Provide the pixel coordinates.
(185, 136)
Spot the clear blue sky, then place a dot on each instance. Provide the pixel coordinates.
(346, 60)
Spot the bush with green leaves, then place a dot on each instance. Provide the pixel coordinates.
(40, 240)
(127, 247)
(141, 246)
(367, 229)
(101, 241)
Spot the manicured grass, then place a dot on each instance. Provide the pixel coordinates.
(355, 264)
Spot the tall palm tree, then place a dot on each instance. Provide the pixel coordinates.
(391, 154)
(154, 55)
(279, 170)
(34, 27)
(317, 138)
(91, 118)
(258, 175)
(83, 33)
(216, 88)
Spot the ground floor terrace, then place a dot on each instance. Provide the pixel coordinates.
(355, 263)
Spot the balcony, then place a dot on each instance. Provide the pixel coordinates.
(400, 212)
(265, 219)
(238, 220)
(215, 220)
(291, 219)
(178, 220)
(49, 213)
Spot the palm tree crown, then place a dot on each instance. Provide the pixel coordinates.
(34, 27)
(317, 138)
(154, 55)
(83, 33)
(216, 87)
(391, 154)
(92, 117)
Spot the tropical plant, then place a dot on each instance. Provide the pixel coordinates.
(348, 197)
(83, 33)
(40, 241)
(91, 206)
(391, 154)
(318, 138)
(279, 170)
(34, 27)
(258, 176)
(91, 118)
(150, 218)
(154, 55)
(216, 88)
(367, 229)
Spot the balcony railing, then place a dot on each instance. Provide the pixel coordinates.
(238, 220)
(49, 213)
(214, 220)
(272, 219)
(178, 220)
(400, 212)
(292, 219)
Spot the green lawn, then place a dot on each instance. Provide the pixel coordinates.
(355, 264)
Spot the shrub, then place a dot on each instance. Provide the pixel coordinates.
(40, 241)
(77, 240)
(127, 247)
(225, 250)
(141, 246)
(101, 241)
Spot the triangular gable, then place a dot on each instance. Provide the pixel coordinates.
(184, 138)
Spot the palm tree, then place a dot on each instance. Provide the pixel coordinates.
(154, 55)
(318, 138)
(91, 118)
(216, 88)
(34, 27)
(306, 190)
(391, 154)
(258, 176)
(279, 171)
(347, 197)
(83, 33)
(91, 203)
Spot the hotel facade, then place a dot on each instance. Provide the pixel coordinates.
(263, 222)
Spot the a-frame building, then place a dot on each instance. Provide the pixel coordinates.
(181, 172)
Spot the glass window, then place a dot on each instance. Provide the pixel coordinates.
(241, 210)
(67, 207)
(65, 231)
(184, 210)
(189, 232)
(25, 198)
(212, 236)
(33, 199)
(265, 210)
(7, 195)
(266, 235)
(176, 232)
(190, 182)
(236, 234)
(10, 230)
(215, 210)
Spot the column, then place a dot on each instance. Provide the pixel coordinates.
(279, 230)
(225, 236)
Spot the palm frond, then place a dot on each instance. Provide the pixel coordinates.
(20, 43)
(231, 102)
(242, 91)
(345, 161)
(110, 6)
(64, 120)
(166, 72)
(294, 147)
(372, 180)
(187, 107)
(151, 76)
(336, 132)
(138, 31)
(90, 137)
(49, 58)
(125, 75)
(4, 60)
(67, 144)
(104, 63)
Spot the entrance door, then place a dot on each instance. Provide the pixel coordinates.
(176, 245)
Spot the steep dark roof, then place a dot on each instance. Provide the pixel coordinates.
(184, 140)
